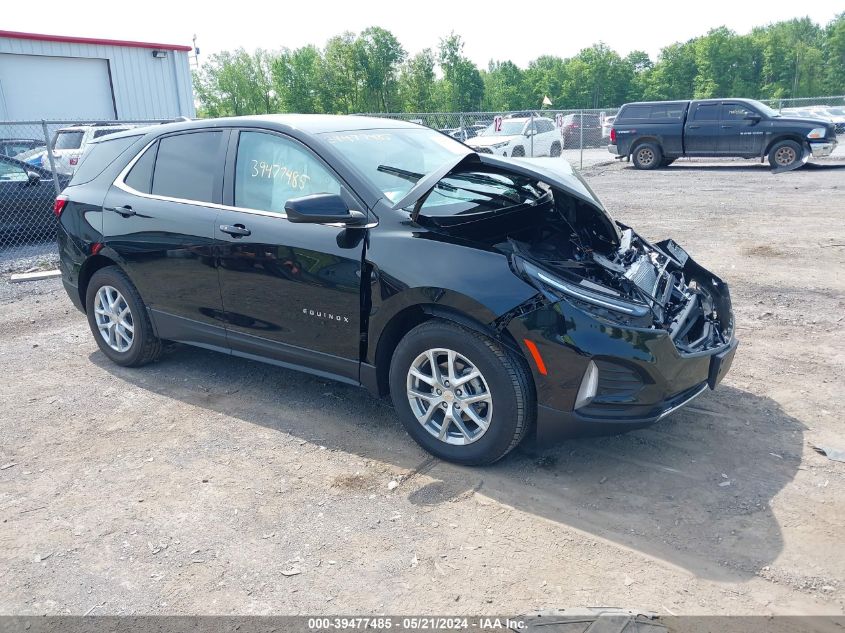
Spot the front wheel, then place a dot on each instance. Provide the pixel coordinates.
(518, 151)
(785, 154)
(462, 396)
(647, 156)
(119, 320)
(555, 151)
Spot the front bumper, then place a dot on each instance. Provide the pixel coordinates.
(826, 148)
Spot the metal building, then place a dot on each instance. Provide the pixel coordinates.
(58, 77)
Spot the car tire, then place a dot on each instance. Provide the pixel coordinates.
(555, 150)
(502, 393)
(666, 162)
(119, 320)
(647, 156)
(518, 151)
(784, 154)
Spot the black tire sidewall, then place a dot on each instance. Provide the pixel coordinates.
(499, 437)
(111, 276)
(518, 152)
(555, 150)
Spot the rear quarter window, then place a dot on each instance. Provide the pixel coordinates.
(98, 156)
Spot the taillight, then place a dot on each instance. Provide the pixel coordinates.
(59, 205)
(613, 135)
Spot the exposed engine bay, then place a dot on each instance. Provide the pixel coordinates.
(575, 248)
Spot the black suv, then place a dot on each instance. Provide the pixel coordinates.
(484, 295)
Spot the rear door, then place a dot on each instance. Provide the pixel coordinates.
(703, 129)
(291, 292)
(159, 219)
(740, 136)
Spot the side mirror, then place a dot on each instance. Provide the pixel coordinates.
(33, 177)
(323, 208)
(529, 133)
(755, 118)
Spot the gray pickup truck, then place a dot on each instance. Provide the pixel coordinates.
(653, 134)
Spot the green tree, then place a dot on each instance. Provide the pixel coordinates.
(504, 87)
(417, 82)
(463, 88)
(382, 56)
(235, 83)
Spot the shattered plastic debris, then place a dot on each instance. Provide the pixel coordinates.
(836, 454)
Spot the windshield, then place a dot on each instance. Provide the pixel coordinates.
(507, 128)
(395, 159)
(67, 140)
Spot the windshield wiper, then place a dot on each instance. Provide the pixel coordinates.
(411, 176)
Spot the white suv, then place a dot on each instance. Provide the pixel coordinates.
(69, 143)
(519, 137)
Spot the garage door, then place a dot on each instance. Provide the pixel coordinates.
(43, 87)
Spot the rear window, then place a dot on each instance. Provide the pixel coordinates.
(68, 139)
(653, 112)
(187, 166)
(115, 130)
(98, 156)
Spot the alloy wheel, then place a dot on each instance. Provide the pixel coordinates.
(785, 156)
(449, 396)
(645, 156)
(114, 319)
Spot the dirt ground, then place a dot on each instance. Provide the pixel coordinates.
(210, 485)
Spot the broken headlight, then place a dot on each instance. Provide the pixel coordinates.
(585, 291)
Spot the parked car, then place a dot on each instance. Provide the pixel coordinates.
(487, 296)
(656, 133)
(518, 136)
(69, 143)
(606, 126)
(836, 114)
(11, 147)
(581, 128)
(26, 200)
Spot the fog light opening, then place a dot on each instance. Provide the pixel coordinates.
(589, 385)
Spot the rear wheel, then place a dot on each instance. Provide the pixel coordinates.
(119, 320)
(647, 156)
(462, 396)
(785, 154)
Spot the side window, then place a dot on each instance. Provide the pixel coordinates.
(9, 172)
(187, 166)
(545, 126)
(735, 112)
(140, 177)
(270, 170)
(707, 112)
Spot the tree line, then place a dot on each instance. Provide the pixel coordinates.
(372, 72)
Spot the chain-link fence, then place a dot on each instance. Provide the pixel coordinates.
(37, 160)
(579, 136)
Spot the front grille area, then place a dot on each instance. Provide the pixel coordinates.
(483, 150)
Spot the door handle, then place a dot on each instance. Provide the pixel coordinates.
(693, 127)
(236, 230)
(727, 127)
(125, 211)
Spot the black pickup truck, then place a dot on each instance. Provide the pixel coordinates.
(653, 134)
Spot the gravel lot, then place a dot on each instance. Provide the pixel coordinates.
(204, 484)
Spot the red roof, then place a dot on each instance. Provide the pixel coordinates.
(91, 40)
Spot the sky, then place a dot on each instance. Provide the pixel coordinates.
(519, 31)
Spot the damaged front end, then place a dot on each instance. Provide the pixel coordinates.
(638, 284)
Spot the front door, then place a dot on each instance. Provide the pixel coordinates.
(702, 130)
(159, 219)
(741, 136)
(291, 292)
